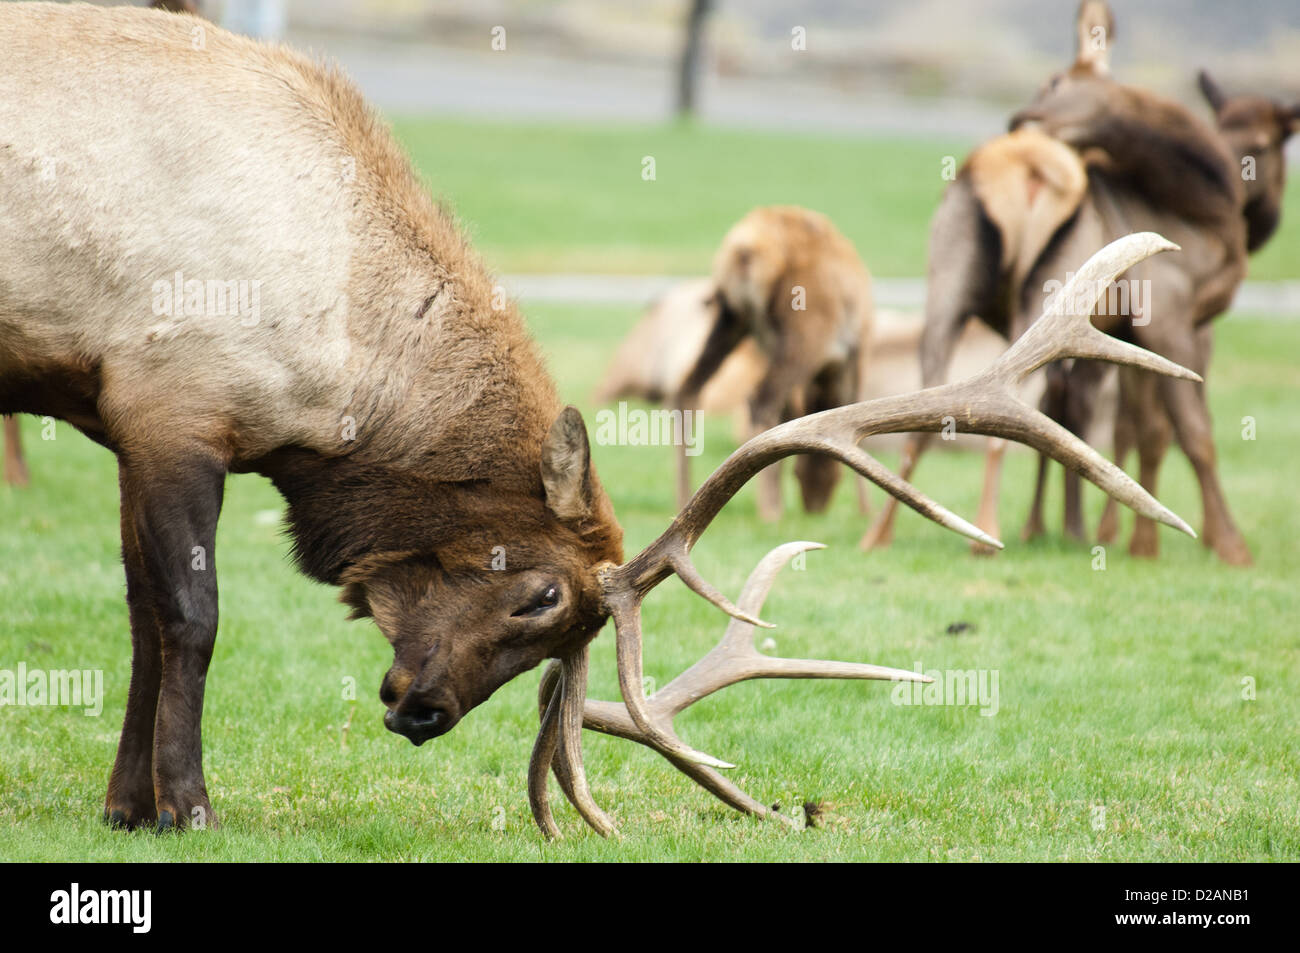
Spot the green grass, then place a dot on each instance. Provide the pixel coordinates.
(1119, 689)
(571, 198)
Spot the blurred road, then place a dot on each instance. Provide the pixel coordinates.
(1274, 299)
(417, 78)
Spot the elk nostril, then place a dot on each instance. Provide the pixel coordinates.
(427, 717)
(419, 724)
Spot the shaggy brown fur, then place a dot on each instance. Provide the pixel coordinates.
(426, 460)
(788, 280)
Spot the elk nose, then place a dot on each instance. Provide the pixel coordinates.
(419, 724)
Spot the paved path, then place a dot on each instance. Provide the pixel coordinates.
(1274, 299)
(418, 79)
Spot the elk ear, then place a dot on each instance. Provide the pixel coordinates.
(1211, 91)
(566, 466)
(1094, 27)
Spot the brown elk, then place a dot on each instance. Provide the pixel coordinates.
(1256, 130)
(653, 360)
(1150, 164)
(409, 423)
(788, 280)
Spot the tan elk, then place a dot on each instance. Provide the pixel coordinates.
(408, 422)
(788, 280)
(1150, 164)
(653, 360)
(15, 466)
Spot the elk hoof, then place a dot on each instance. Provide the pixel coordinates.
(1232, 551)
(877, 537)
(1108, 528)
(199, 817)
(120, 818)
(1144, 546)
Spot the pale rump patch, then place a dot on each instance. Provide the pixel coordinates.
(1029, 185)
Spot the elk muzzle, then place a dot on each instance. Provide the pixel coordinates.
(419, 724)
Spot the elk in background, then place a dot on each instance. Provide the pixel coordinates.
(1256, 129)
(652, 362)
(1150, 164)
(789, 281)
(1009, 199)
(1154, 153)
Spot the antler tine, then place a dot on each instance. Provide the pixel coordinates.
(984, 404)
(733, 659)
(560, 740)
(739, 632)
(539, 764)
(570, 771)
(1065, 328)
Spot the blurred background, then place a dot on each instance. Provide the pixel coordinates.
(878, 66)
(531, 117)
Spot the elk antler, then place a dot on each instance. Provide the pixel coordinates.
(734, 659)
(984, 404)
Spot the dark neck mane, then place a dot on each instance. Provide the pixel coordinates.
(343, 510)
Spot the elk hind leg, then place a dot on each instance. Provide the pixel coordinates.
(1125, 439)
(987, 519)
(1153, 436)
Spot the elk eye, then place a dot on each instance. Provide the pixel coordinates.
(548, 598)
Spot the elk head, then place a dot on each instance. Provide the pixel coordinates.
(1256, 130)
(985, 404)
(516, 584)
(1089, 74)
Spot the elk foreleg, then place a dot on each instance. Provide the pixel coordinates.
(818, 475)
(130, 800)
(1083, 383)
(170, 515)
(1126, 412)
(724, 337)
(1190, 416)
(1052, 403)
(787, 374)
(1153, 435)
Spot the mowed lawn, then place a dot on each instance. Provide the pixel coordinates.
(1145, 711)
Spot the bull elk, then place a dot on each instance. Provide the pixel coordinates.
(408, 423)
(1146, 163)
(789, 281)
